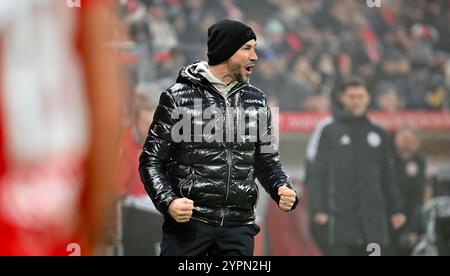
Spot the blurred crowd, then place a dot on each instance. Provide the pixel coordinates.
(306, 48)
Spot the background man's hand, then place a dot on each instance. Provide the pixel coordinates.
(397, 221)
(287, 198)
(413, 238)
(181, 210)
(321, 218)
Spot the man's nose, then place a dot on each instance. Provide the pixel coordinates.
(253, 56)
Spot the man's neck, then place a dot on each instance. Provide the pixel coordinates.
(222, 73)
(221, 86)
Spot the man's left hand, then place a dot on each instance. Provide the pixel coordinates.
(287, 198)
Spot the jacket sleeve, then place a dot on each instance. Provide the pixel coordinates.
(268, 168)
(389, 181)
(317, 171)
(156, 153)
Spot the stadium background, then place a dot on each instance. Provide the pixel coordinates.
(306, 48)
(128, 51)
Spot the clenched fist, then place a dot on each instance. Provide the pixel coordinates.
(287, 198)
(181, 210)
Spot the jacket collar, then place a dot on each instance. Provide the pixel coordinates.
(190, 74)
(341, 114)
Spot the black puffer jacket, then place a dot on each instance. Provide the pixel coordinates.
(218, 176)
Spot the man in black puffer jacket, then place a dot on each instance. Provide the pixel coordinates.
(211, 137)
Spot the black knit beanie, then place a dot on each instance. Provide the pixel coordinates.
(225, 38)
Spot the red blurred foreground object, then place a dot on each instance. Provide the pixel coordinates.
(58, 123)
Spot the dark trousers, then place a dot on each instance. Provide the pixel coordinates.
(200, 239)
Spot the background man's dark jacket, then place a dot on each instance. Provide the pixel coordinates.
(351, 178)
(218, 176)
(410, 175)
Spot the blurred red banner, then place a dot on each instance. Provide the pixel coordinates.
(423, 120)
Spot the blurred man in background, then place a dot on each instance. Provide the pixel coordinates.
(351, 182)
(410, 168)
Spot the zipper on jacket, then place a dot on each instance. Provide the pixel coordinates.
(192, 183)
(238, 87)
(229, 161)
(229, 158)
(227, 124)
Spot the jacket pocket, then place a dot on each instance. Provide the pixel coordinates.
(244, 195)
(187, 185)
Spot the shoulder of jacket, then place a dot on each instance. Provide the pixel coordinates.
(179, 92)
(255, 91)
(313, 144)
(375, 126)
(325, 124)
(330, 123)
(178, 88)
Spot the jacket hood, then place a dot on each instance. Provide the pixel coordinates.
(189, 74)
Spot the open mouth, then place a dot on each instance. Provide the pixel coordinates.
(249, 69)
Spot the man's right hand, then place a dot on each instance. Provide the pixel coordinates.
(321, 218)
(181, 210)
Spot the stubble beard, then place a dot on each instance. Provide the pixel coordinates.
(236, 71)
